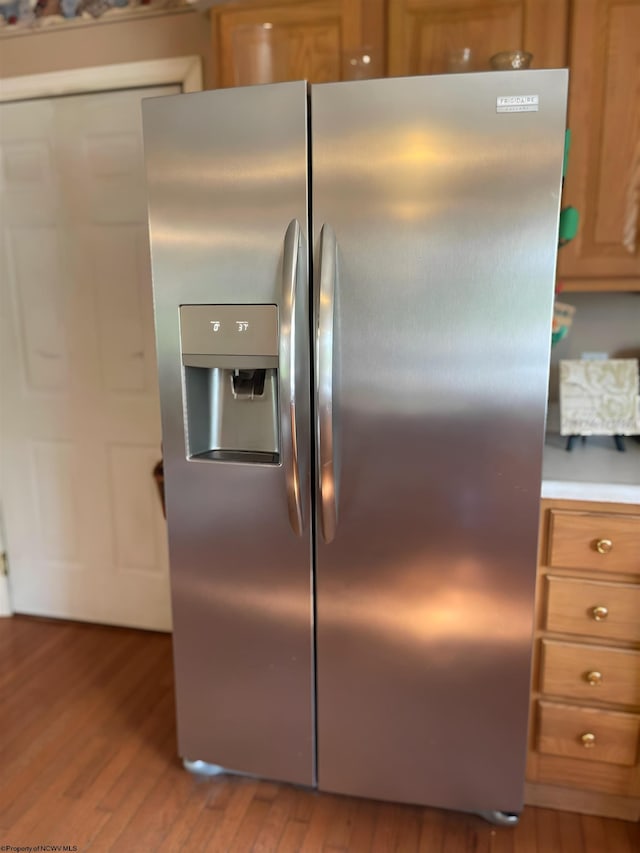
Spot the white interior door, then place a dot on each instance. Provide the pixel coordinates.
(80, 415)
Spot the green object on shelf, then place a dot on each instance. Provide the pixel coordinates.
(569, 219)
(556, 337)
(567, 146)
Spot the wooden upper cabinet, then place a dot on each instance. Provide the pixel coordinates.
(440, 36)
(603, 178)
(317, 40)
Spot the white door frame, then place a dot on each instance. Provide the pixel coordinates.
(185, 71)
(5, 600)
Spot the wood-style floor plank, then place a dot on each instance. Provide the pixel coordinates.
(55, 687)
(176, 837)
(249, 827)
(275, 821)
(570, 831)
(364, 823)
(63, 750)
(432, 832)
(128, 804)
(293, 837)
(158, 812)
(340, 824)
(232, 817)
(499, 840)
(408, 836)
(319, 823)
(525, 832)
(216, 800)
(619, 839)
(547, 830)
(386, 828)
(88, 757)
(469, 835)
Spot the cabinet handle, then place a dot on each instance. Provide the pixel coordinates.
(594, 678)
(588, 740)
(604, 546)
(599, 613)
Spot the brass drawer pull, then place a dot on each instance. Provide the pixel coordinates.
(599, 613)
(594, 678)
(588, 740)
(604, 546)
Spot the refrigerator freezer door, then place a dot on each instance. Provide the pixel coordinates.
(445, 213)
(227, 175)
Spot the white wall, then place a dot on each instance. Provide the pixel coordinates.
(184, 33)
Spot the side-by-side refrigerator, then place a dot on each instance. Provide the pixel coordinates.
(353, 290)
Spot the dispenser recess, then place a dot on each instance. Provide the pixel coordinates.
(230, 364)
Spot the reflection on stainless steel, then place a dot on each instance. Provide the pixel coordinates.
(292, 283)
(446, 615)
(173, 234)
(200, 174)
(500, 818)
(434, 242)
(327, 486)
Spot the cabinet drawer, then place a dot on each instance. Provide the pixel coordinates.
(590, 672)
(590, 540)
(607, 736)
(593, 608)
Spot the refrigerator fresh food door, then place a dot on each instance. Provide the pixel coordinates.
(227, 177)
(435, 211)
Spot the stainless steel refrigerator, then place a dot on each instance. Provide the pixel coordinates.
(353, 291)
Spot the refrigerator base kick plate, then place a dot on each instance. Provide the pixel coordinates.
(500, 818)
(202, 768)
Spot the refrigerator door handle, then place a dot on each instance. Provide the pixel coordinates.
(288, 347)
(327, 479)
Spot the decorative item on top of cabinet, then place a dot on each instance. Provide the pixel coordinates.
(604, 115)
(511, 60)
(271, 41)
(585, 699)
(426, 36)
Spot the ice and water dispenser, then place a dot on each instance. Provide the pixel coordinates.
(230, 359)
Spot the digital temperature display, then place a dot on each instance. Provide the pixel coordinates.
(229, 329)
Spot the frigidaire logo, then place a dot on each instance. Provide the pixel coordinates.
(517, 104)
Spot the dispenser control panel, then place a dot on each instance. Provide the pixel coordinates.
(229, 329)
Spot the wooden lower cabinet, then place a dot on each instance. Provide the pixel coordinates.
(584, 739)
(590, 734)
(590, 673)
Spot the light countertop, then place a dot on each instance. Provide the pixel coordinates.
(592, 471)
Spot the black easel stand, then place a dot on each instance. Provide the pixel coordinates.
(619, 440)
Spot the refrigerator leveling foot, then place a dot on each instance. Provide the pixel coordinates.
(500, 818)
(202, 768)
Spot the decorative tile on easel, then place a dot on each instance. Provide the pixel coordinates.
(599, 397)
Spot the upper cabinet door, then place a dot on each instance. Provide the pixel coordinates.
(440, 36)
(603, 178)
(318, 40)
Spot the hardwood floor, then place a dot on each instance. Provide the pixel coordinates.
(88, 758)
